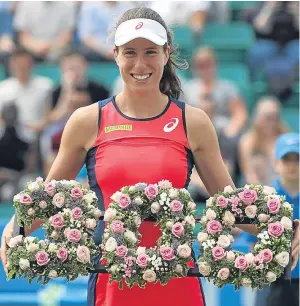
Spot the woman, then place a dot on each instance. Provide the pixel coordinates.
(257, 145)
(130, 138)
(231, 112)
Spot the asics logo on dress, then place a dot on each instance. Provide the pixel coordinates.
(171, 126)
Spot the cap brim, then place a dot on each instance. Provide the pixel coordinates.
(283, 152)
(156, 39)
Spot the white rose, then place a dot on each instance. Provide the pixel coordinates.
(97, 213)
(54, 235)
(88, 198)
(249, 258)
(33, 186)
(204, 268)
(173, 193)
(140, 250)
(138, 201)
(191, 205)
(269, 190)
(287, 205)
(228, 189)
(15, 241)
(179, 269)
(223, 241)
(163, 196)
(246, 282)
(16, 198)
(52, 248)
(32, 247)
(137, 220)
(230, 256)
(251, 211)
(190, 220)
(228, 218)
(155, 207)
(24, 264)
(113, 269)
(202, 237)
(271, 277)
(203, 219)
(169, 224)
(209, 202)
(52, 274)
(231, 238)
(31, 212)
(111, 244)
(283, 258)
(210, 214)
(184, 251)
(263, 217)
(247, 186)
(29, 239)
(132, 188)
(149, 276)
(91, 223)
(287, 223)
(116, 196)
(110, 214)
(130, 236)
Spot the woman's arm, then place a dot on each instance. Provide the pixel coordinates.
(208, 160)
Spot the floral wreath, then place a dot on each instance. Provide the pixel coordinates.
(273, 217)
(174, 210)
(71, 216)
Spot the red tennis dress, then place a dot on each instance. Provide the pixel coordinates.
(128, 151)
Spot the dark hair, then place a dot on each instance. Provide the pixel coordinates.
(71, 53)
(20, 52)
(169, 83)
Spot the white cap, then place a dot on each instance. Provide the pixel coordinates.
(141, 28)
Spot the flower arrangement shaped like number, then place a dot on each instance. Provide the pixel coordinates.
(175, 212)
(71, 214)
(219, 263)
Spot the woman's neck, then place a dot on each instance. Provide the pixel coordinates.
(141, 104)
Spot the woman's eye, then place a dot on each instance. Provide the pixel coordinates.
(129, 53)
(150, 52)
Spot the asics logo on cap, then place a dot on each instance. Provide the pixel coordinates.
(171, 126)
(139, 25)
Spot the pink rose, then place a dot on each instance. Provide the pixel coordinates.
(76, 213)
(178, 230)
(124, 201)
(223, 273)
(248, 196)
(218, 253)
(267, 255)
(275, 229)
(42, 258)
(50, 188)
(167, 253)
(121, 251)
(273, 206)
(176, 206)
(58, 221)
(222, 202)
(25, 199)
(213, 227)
(241, 263)
(117, 226)
(142, 260)
(62, 254)
(59, 200)
(76, 193)
(151, 191)
(74, 235)
(269, 190)
(250, 258)
(83, 254)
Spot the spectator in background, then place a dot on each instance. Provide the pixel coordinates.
(75, 91)
(286, 184)
(256, 148)
(228, 148)
(94, 21)
(231, 113)
(45, 27)
(7, 44)
(276, 50)
(30, 93)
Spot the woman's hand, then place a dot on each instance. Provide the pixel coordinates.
(295, 245)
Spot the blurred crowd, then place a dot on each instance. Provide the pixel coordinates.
(74, 35)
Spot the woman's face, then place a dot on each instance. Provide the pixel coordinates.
(141, 64)
(268, 118)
